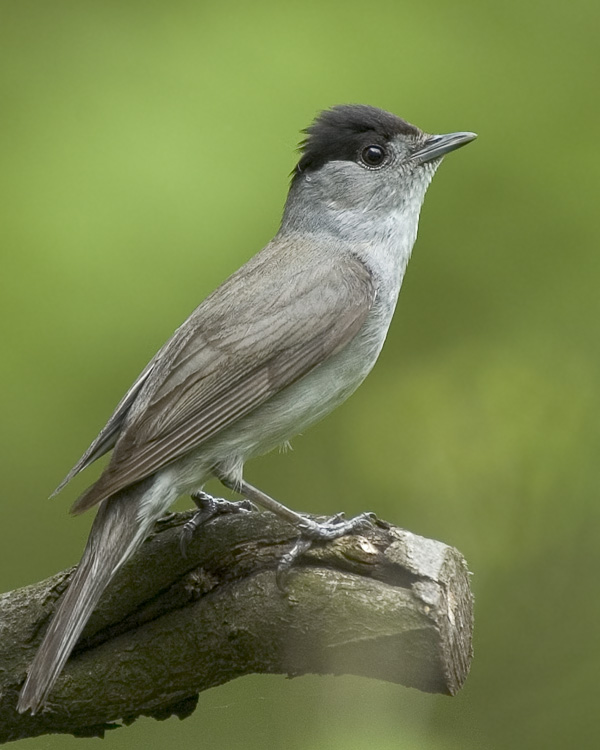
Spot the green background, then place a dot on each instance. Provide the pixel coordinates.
(145, 152)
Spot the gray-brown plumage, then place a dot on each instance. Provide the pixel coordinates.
(225, 361)
(277, 346)
(113, 538)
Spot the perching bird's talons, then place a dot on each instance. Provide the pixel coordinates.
(209, 507)
(280, 344)
(336, 527)
(315, 532)
(287, 561)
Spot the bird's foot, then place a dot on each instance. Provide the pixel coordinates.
(209, 507)
(312, 532)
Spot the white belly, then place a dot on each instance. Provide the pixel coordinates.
(303, 403)
(322, 390)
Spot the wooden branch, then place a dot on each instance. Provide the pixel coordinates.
(387, 604)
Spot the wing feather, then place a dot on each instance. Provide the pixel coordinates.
(227, 360)
(109, 434)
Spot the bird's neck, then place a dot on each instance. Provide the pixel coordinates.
(381, 236)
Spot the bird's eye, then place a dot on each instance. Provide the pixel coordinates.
(373, 156)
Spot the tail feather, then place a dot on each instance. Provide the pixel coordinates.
(116, 533)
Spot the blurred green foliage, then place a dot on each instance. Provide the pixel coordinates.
(145, 149)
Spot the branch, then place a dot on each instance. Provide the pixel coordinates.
(387, 604)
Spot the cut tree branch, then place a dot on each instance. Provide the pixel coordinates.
(386, 604)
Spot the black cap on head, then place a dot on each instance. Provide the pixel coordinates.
(339, 134)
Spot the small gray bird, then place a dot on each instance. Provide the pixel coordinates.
(277, 346)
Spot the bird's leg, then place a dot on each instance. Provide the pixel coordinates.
(209, 507)
(311, 531)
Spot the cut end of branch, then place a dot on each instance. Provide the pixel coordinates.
(387, 604)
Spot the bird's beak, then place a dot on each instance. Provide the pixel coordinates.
(438, 145)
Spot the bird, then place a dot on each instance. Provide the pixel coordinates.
(277, 346)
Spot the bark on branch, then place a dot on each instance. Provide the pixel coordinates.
(387, 604)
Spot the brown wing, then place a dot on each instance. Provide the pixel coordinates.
(257, 334)
(109, 434)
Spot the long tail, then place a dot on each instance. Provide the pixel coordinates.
(120, 526)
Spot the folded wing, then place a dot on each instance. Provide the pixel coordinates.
(257, 334)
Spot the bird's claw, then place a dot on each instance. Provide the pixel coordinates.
(312, 531)
(209, 507)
